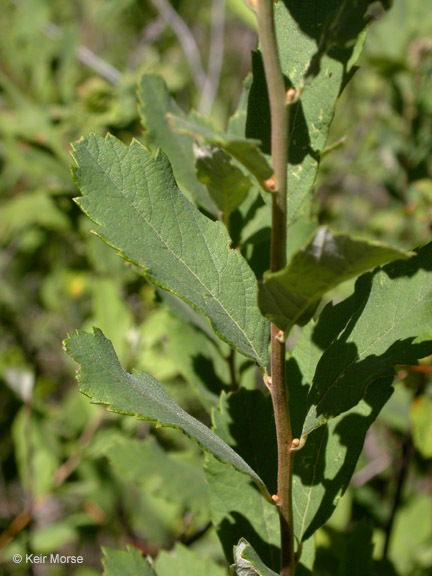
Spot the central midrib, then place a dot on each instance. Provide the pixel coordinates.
(242, 331)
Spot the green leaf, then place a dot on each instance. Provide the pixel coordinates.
(54, 536)
(133, 198)
(245, 420)
(299, 26)
(37, 451)
(248, 563)
(198, 359)
(243, 12)
(287, 297)
(176, 478)
(357, 556)
(111, 314)
(226, 183)
(237, 122)
(155, 104)
(421, 419)
(324, 466)
(125, 563)
(388, 321)
(410, 546)
(102, 379)
(29, 210)
(307, 558)
(184, 562)
(344, 23)
(244, 150)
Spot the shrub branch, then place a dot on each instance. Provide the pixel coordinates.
(279, 149)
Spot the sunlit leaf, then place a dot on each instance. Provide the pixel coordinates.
(134, 199)
(128, 562)
(287, 297)
(388, 322)
(104, 381)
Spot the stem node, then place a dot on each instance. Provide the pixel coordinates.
(279, 147)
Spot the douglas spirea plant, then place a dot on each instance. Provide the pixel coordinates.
(222, 224)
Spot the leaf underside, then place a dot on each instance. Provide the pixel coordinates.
(287, 297)
(248, 563)
(245, 150)
(226, 183)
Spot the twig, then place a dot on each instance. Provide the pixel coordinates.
(279, 148)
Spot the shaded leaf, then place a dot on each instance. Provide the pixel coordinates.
(37, 451)
(359, 546)
(176, 478)
(287, 297)
(421, 419)
(102, 379)
(180, 309)
(55, 536)
(306, 562)
(128, 562)
(248, 563)
(198, 359)
(111, 314)
(410, 545)
(33, 209)
(184, 562)
(388, 321)
(298, 27)
(245, 421)
(244, 150)
(341, 24)
(324, 466)
(226, 183)
(133, 198)
(237, 122)
(155, 104)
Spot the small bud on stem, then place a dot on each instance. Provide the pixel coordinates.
(291, 95)
(268, 382)
(270, 184)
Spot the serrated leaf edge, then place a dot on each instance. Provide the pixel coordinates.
(256, 478)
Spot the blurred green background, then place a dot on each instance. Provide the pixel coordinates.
(74, 477)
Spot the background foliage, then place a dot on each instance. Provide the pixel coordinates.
(67, 483)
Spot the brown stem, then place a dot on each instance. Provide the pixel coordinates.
(279, 143)
(285, 454)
